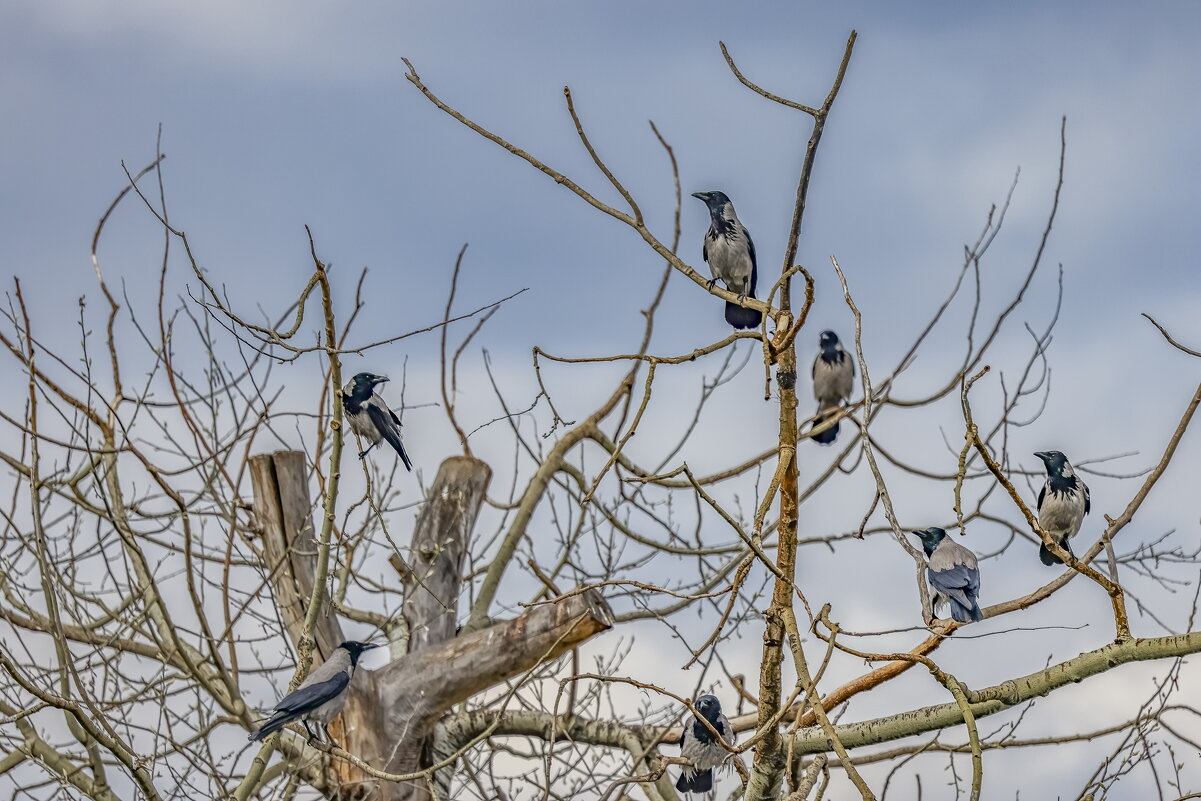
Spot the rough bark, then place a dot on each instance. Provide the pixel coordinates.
(439, 544)
(417, 689)
(433, 583)
(284, 512)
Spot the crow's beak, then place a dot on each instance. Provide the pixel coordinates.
(917, 533)
(1042, 455)
(382, 379)
(370, 645)
(701, 196)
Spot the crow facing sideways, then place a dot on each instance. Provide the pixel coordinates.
(1062, 504)
(731, 256)
(701, 748)
(321, 696)
(954, 575)
(370, 417)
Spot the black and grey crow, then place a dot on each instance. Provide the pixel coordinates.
(731, 255)
(701, 748)
(954, 575)
(321, 696)
(833, 379)
(1062, 504)
(370, 417)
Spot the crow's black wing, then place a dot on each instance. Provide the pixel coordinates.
(750, 246)
(386, 424)
(1088, 501)
(956, 582)
(306, 699)
(1042, 493)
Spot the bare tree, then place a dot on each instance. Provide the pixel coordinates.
(180, 530)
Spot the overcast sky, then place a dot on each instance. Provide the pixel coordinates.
(276, 115)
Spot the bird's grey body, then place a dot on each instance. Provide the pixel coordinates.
(731, 256)
(833, 381)
(370, 417)
(700, 747)
(321, 696)
(335, 668)
(1062, 504)
(954, 575)
(1061, 514)
(728, 253)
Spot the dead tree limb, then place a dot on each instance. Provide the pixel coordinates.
(392, 711)
(440, 541)
(284, 511)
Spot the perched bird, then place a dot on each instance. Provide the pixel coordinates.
(833, 379)
(731, 255)
(1062, 504)
(321, 696)
(701, 748)
(954, 575)
(370, 417)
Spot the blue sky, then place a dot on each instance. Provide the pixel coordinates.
(277, 115)
(275, 119)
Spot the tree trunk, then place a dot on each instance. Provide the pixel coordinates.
(433, 582)
(284, 511)
(392, 711)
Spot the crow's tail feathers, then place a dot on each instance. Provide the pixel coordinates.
(741, 317)
(828, 436)
(965, 614)
(393, 436)
(695, 781)
(404, 457)
(1049, 558)
(273, 724)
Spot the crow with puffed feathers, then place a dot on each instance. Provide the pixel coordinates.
(833, 380)
(701, 748)
(954, 575)
(370, 417)
(321, 696)
(731, 256)
(1062, 504)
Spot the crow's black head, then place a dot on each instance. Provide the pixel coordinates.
(363, 384)
(716, 201)
(356, 649)
(709, 707)
(827, 339)
(930, 538)
(1057, 464)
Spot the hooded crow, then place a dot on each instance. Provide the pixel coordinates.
(321, 696)
(370, 417)
(954, 575)
(1062, 504)
(833, 379)
(731, 256)
(701, 748)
